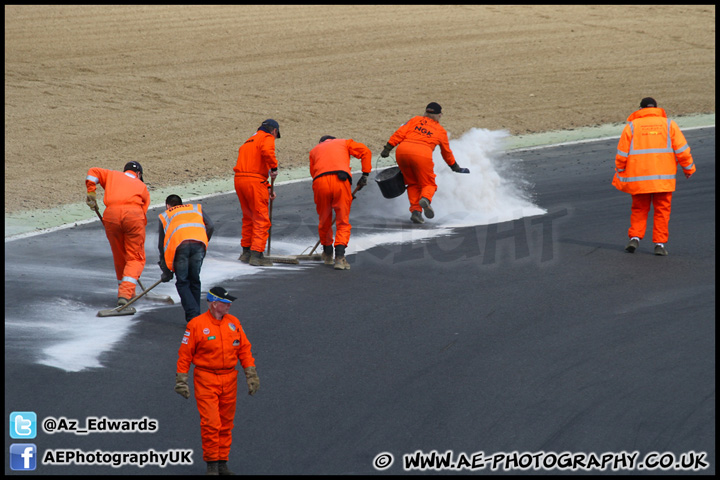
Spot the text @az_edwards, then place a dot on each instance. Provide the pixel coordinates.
(52, 425)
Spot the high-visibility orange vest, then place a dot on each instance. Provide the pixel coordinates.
(181, 223)
(648, 152)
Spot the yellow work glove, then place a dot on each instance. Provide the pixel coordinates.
(181, 385)
(91, 200)
(252, 380)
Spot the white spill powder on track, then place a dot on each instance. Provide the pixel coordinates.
(75, 338)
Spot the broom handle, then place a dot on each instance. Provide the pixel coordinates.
(272, 191)
(139, 296)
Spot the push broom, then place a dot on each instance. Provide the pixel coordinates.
(316, 256)
(158, 298)
(126, 309)
(276, 259)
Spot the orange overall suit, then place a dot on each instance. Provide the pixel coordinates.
(332, 177)
(214, 347)
(417, 139)
(126, 200)
(256, 157)
(648, 152)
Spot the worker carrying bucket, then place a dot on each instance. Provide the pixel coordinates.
(391, 182)
(416, 140)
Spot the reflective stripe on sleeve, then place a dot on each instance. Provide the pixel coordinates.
(682, 149)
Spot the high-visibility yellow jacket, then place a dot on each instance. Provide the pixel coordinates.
(650, 147)
(181, 223)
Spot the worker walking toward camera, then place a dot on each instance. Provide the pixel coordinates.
(332, 179)
(416, 141)
(126, 199)
(650, 148)
(256, 160)
(183, 235)
(214, 342)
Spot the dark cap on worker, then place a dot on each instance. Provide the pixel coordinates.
(135, 167)
(219, 294)
(433, 108)
(326, 137)
(270, 123)
(648, 102)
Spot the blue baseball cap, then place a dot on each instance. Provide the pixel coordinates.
(219, 294)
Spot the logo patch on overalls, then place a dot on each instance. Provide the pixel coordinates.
(232, 326)
(206, 331)
(236, 343)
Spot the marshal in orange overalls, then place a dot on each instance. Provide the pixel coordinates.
(214, 347)
(650, 148)
(256, 158)
(415, 141)
(126, 200)
(332, 177)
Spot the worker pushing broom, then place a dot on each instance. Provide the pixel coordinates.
(332, 179)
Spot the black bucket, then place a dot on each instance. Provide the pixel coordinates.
(391, 182)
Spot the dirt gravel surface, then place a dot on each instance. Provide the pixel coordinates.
(180, 88)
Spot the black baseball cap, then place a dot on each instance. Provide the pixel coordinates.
(219, 294)
(648, 102)
(135, 167)
(433, 108)
(270, 123)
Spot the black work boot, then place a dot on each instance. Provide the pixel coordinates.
(245, 257)
(660, 249)
(416, 217)
(327, 255)
(258, 260)
(427, 209)
(223, 468)
(212, 468)
(632, 245)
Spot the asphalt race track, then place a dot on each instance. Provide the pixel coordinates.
(533, 335)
